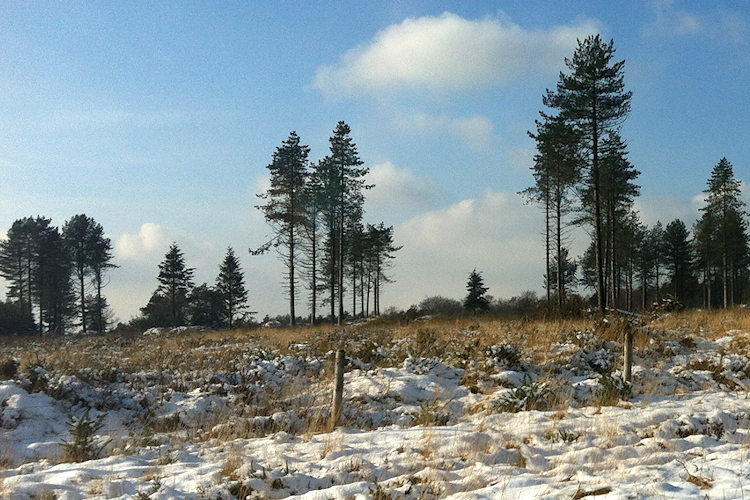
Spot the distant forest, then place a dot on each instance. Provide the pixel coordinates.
(582, 177)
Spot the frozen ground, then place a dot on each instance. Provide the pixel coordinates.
(472, 423)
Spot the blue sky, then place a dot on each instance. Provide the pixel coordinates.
(158, 119)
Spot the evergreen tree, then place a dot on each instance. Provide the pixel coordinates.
(678, 258)
(175, 282)
(476, 301)
(380, 254)
(592, 99)
(206, 306)
(17, 257)
(565, 274)
(618, 192)
(726, 211)
(53, 286)
(341, 175)
(284, 208)
(230, 287)
(91, 255)
(313, 203)
(556, 171)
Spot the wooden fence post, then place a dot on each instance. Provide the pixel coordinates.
(628, 355)
(338, 391)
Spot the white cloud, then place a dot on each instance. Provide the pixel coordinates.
(668, 207)
(151, 238)
(496, 234)
(477, 131)
(449, 52)
(398, 193)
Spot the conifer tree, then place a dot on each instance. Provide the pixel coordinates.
(556, 170)
(678, 258)
(476, 301)
(726, 210)
(592, 99)
(175, 282)
(230, 287)
(342, 182)
(284, 208)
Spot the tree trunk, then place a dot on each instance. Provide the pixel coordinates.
(292, 315)
(558, 241)
(600, 290)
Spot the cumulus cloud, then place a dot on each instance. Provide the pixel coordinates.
(149, 239)
(495, 233)
(398, 193)
(448, 53)
(476, 131)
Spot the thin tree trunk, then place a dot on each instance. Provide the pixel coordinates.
(292, 292)
(558, 238)
(600, 295)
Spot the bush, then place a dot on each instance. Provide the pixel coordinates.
(529, 396)
(612, 389)
(83, 446)
(9, 368)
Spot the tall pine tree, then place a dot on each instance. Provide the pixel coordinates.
(284, 209)
(592, 99)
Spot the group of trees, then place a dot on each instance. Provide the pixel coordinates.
(583, 177)
(316, 211)
(177, 301)
(56, 277)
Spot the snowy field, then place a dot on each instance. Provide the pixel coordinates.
(424, 417)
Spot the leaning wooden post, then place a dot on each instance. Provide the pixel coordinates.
(628, 355)
(338, 391)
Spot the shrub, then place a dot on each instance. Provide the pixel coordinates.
(83, 446)
(529, 396)
(9, 368)
(504, 355)
(430, 415)
(612, 389)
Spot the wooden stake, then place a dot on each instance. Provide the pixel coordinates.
(628, 355)
(338, 391)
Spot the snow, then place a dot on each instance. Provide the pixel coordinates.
(411, 426)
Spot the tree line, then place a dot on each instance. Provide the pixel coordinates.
(583, 178)
(56, 276)
(177, 301)
(316, 212)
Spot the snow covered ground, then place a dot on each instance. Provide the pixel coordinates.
(465, 423)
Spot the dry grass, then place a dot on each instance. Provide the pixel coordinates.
(220, 350)
(705, 323)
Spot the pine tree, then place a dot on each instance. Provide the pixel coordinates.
(678, 258)
(53, 286)
(556, 171)
(726, 210)
(476, 301)
(618, 192)
(341, 175)
(592, 99)
(17, 255)
(230, 286)
(175, 282)
(313, 201)
(284, 209)
(91, 255)
(380, 254)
